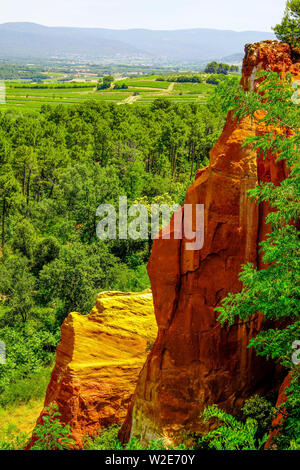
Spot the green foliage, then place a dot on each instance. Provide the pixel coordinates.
(52, 434)
(182, 78)
(56, 167)
(28, 350)
(105, 82)
(25, 388)
(12, 439)
(222, 79)
(78, 275)
(108, 440)
(262, 411)
(274, 292)
(288, 437)
(289, 29)
(53, 86)
(17, 283)
(216, 68)
(120, 86)
(232, 434)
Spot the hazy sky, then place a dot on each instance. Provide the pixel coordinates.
(239, 15)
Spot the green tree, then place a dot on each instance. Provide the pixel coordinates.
(105, 82)
(17, 283)
(77, 276)
(289, 29)
(216, 68)
(9, 192)
(212, 67)
(273, 292)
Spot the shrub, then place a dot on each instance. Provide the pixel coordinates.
(24, 389)
(28, 352)
(12, 439)
(106, 440)
(52, 434)
(262, 411)
(232, 434)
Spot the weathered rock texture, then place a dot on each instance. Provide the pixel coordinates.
(278, 420)
(99, 359)
(195, 362)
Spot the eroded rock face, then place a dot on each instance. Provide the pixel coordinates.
(279, 419)
(99, 359)
(267, 55)
(195, 362)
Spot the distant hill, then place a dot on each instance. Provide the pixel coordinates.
(33, 41)
(233, 58)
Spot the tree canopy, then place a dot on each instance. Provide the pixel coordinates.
(289, 29)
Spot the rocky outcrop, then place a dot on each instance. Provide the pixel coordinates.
(267, 55)
(278, 420)
(99, 359)
(194, 361)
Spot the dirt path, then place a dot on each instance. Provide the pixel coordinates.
(156, 92)
(171, 87)
(130, 100)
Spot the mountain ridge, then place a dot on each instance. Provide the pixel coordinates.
(32, 40)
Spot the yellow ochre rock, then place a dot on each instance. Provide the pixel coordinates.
(99, 359)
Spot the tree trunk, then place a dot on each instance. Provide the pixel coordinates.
(3, 221)
(23, 182)
(193, 159)
(52, 189)
(28, 186)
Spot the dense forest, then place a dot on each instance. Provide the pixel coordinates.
(56, 168)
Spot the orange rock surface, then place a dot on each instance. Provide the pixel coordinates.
(99, 359)
(277, 422)
(194, 361)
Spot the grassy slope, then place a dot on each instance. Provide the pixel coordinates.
(25, 400)
(22, 416)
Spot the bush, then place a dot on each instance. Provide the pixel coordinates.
(106, 440)
(12, 439)
(28, 352)
(262, 411)
(232, 434)
(120, 86)
(288, 437)
(105, 83)
(52, 434)
(24, 389)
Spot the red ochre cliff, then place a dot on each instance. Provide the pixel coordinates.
(98, 361)
(278, 420)
(194, 361)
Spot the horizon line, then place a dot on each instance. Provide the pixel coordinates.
(140, 28)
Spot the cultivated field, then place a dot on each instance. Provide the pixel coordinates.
(140, 92)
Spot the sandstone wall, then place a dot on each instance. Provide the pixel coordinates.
(196, 362)
(99, 359)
